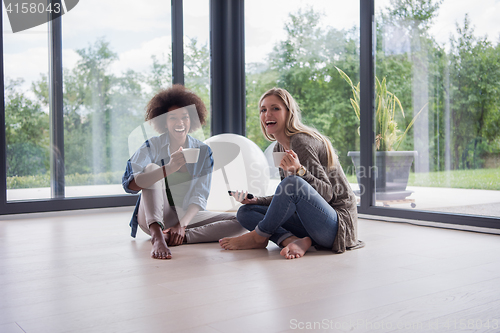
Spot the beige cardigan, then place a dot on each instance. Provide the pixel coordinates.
(331, 185)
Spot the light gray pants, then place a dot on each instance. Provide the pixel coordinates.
(205, 227)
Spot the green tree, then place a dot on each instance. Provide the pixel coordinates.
(475, 102)
(415, 16)
(305, 65)
(410, 60)
(196, 73)
(258, 80)
(100, 110)
(95, 83)
(26, 131)
(160, 76)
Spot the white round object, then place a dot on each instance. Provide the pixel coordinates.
(239, 165)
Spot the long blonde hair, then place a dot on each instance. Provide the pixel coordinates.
(294, 124)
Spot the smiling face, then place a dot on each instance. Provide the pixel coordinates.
(273, 115)
(178, 124)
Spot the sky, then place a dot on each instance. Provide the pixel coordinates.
(136, 32)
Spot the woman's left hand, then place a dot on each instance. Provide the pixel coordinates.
(290, 162)
(176, 235)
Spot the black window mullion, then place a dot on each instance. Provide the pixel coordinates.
(56, 115)
(227, 66)
(3, 141)
(177, 42)
(367, 103)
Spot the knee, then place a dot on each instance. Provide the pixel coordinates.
(244, 216)
(291, 184)
(242, 213)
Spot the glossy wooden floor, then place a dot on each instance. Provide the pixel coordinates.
(84, 273)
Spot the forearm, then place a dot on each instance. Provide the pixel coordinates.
(147, 179)
(264, 201)
(190, 214)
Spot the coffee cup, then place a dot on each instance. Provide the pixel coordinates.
(191, 154)
(277, 157)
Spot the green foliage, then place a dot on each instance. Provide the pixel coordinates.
(26, 122)
(480, 179)
(461, 83)
(259, 79)
(100, 111)
(474, 93)
(110, 177)
(196, 73)
(43, 180)
(160, 76)
(417, 15)
(31, 181)
(388, 136)
(26, 133)
(304, 64)
(26, 158)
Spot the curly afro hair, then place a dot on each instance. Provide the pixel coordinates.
(180, 96)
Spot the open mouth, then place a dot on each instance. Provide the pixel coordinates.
(270, 123)
(180, 130)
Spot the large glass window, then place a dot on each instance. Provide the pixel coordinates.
(115, 57)
(437, 93)
(112, 67)
(26, 113)
(197, 52)
(298, 46)
(439, 63)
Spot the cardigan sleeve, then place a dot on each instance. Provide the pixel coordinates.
(265, 201)
(309, 151)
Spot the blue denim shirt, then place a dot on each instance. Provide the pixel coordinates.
(157, 150)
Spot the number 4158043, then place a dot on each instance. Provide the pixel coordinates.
(32, 7)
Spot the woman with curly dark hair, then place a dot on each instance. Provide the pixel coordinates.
(174, 194)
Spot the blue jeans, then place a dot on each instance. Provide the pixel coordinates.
(296, 209)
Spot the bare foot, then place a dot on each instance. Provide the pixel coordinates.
(297, 248)
(160, 249)
(288, 240)
(246, 241)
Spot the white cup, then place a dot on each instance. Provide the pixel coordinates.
(277, 157)
(191, 154)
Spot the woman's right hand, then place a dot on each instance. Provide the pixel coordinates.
(242, 197)
(177, 160)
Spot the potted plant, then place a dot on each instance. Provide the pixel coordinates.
(392, 166)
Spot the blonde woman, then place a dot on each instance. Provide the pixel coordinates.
(313, 204)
